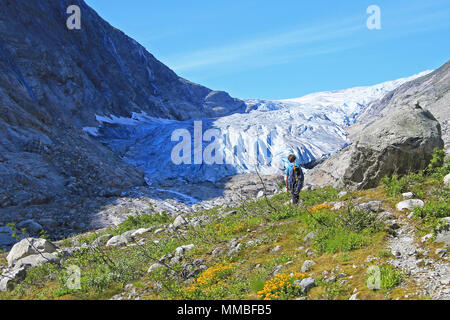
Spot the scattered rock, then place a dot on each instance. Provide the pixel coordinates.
(35, 260)
(410, 204)
(154, 267)
(27, 247)
(10, 278)
(447, 180)
(277, 270)
(342, 194)
(117, 241)
(309, 237)
(427, 237)
(408, 195)
(305, 284)
(371, 206)
(339, 205)
(385, 216)
(30, 226)
(276, 249)
(179, 222)
(307, 265)
(180, 251)
(101, 241)
(218, 252)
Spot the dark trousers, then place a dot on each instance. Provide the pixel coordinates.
(295, 192)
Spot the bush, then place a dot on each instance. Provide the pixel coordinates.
(394, 185)
(386, 277)
(390, 277)
(282, 287)
(434, 209)
(143, 221)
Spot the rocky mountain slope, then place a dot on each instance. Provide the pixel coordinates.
(431, 92)
(53, 83)
(396, 134)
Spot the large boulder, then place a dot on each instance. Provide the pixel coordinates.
(400, 142)
(36, 260)
(28, 247)
(409, 204)
(117, 241)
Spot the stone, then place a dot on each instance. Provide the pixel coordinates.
(447, 180)
(339, 205)
(35, 260)
(277, 270)
(307, 265)
(393, 225)
(183, 249)
(101, 241)
(154, 267)
(218, 252)
(309, 237)
(179, 222)
(11, 277)
(117, 241)
(129, 235)
(444, 225)
(371, 206)
(408, 195)
(235, 249)
(410, 204)
(305, 284)
(30, 226)
(29, 246)
(385, 216)
(6, 238)
(141, 231)
(342, 194)
(276, 249)
(260, 194)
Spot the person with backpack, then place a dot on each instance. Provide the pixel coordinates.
(294, 178)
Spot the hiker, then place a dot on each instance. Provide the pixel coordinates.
(294, 178)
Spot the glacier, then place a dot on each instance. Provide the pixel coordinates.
(313, 127)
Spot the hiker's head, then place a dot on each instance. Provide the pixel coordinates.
(292, 158)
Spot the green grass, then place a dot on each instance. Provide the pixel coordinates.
(342, 238)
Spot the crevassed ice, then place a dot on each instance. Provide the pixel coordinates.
(312, 127)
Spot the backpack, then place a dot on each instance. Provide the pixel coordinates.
(296, 179)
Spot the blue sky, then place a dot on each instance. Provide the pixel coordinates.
(287, 48)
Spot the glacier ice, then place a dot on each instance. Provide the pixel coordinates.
(313, 127)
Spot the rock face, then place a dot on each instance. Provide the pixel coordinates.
(398, 137)
(431, 92)
(54, 82)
